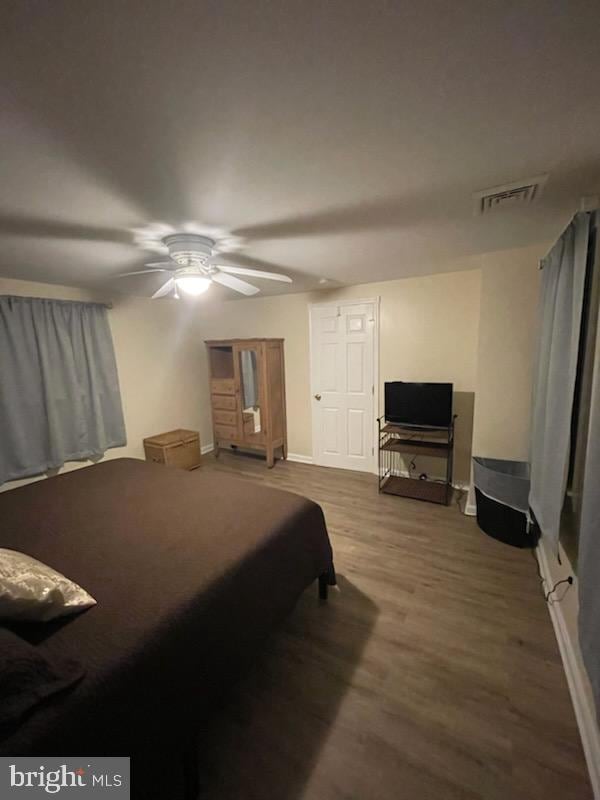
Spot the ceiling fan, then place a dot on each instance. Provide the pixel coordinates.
(191, 270)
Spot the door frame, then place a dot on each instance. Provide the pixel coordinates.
(376, 317)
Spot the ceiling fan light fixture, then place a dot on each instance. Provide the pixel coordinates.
(191, 268)
(193, 284)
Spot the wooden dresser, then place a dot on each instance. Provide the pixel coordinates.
(247, 390)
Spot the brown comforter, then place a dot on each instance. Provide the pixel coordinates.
(190, 572)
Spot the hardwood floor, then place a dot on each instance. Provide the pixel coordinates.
(431, 672)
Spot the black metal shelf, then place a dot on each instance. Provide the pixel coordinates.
(412, 445)
(395, 440)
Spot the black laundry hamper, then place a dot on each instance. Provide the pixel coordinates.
(502, 496)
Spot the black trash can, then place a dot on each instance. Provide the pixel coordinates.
(502, 496)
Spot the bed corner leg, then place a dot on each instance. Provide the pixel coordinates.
(326, 579)
(331, 576)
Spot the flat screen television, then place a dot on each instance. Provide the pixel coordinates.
(427, 405)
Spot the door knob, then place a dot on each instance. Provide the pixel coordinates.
(317, 397)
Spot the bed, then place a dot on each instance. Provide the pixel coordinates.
(191, 571)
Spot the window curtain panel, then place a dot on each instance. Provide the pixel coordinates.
(59, 388)
(561, 302)
(589, 540)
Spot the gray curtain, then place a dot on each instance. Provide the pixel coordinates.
(563, 279)
(588, 557)
(59, 388)
(589, 542)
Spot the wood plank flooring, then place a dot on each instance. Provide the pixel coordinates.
(431, 672)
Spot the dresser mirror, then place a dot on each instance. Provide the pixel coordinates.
(249, 372)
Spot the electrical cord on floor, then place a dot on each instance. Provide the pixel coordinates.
(548, 595)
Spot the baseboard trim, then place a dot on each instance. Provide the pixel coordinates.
(208, 448)
(470, 505)
(471, 510)
(462, 487)
(576, 680)
(299, 458)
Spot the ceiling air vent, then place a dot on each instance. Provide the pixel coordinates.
(511, 195)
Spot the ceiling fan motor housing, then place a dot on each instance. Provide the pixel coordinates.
(189, 249)
(189, 268)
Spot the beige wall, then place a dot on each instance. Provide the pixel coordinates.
(473, 327)
(505, 353)
(429, 331)
(156, 348)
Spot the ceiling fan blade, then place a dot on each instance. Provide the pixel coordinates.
(234, 283)
(256, 273)
(170, 264)
(141, 272)
(49, 228)
(369, 215)
(164, 289)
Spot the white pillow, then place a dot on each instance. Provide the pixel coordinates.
(31, 591)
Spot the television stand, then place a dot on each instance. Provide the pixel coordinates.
(397, 440)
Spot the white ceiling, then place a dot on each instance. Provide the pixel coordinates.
(338, 139)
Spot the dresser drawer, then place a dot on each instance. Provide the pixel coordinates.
(225, 418)
(222, 386)
(226, 433)
(224, 402)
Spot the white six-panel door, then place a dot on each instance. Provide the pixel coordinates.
(343, 384)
